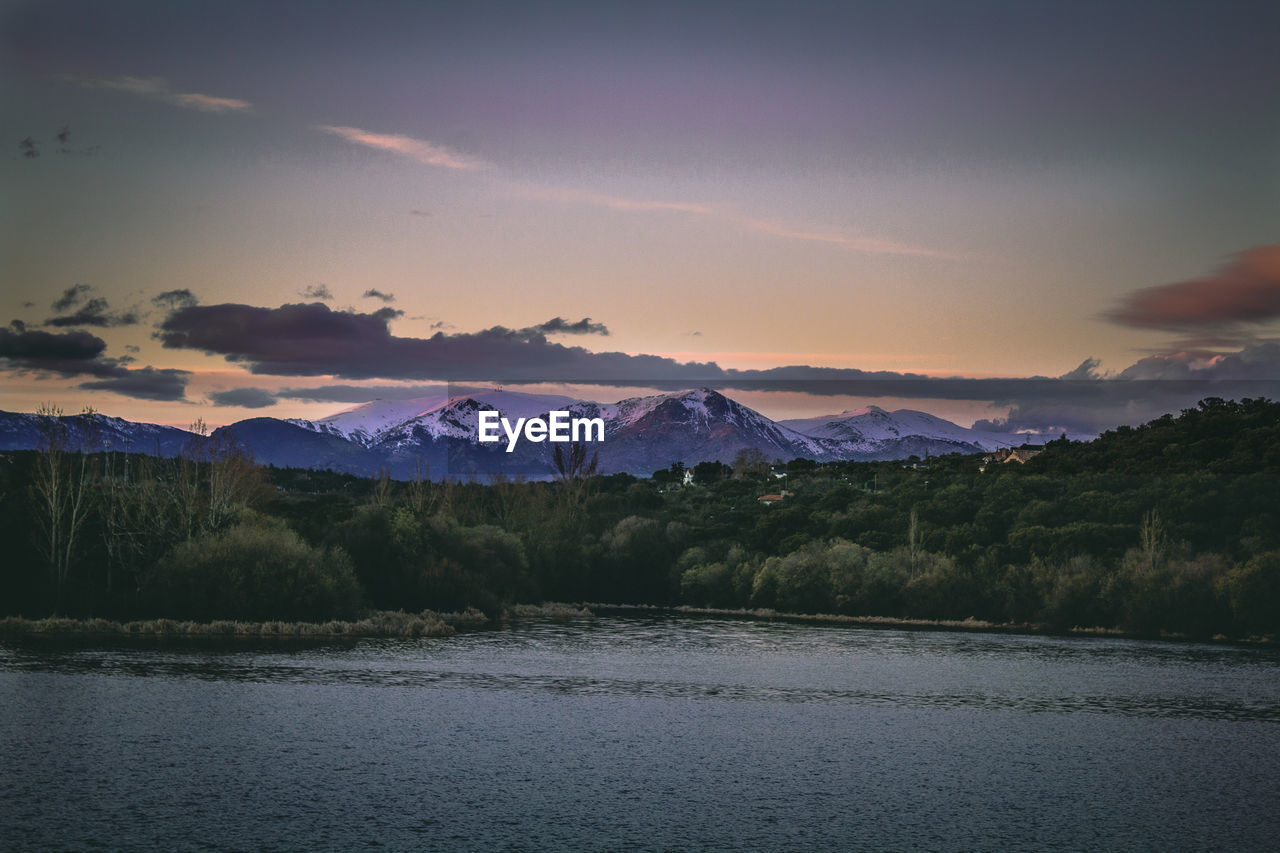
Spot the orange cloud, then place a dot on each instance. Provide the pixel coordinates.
(1246, 289)
(406, 146)
(158, 88)
(209, 104)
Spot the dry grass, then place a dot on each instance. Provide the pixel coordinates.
(548, 610)
(379, 624)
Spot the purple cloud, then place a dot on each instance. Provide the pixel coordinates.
(1246, 289)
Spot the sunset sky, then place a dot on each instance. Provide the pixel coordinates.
(225, 210)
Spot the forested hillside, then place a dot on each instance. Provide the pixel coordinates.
(1173, 526)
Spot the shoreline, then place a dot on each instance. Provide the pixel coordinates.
(977, 626)
(428, 623)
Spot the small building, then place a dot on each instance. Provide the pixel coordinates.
(1006, 455)
(769, 500)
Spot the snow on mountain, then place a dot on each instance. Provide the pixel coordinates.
(363, 423)
(372, 422)
(646, 433)
(93, 433)
(438, 436)
(871, 428)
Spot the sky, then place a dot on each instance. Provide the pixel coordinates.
(1036, 216)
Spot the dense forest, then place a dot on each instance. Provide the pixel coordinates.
(1172, 527)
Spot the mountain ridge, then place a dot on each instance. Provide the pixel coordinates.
(437, 435)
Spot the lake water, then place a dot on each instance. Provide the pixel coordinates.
(642, 734)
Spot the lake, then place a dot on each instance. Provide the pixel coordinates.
(657, 733)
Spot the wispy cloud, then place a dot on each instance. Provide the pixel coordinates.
(158, 89)
(89, 311)
(420, 150)
(852, 242)
(316, 291)
(433, 154)
(564, 195)
(209, 103)
(865, 245)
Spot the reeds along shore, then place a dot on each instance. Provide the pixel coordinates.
(384, 623)
(431, 624)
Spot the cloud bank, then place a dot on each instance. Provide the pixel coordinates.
(314, 340)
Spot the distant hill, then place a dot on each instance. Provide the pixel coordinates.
(94, 433)
(436, 436)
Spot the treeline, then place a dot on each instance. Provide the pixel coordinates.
(1173, 526)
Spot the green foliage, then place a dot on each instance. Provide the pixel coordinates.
(255, 571)
(1170, 527)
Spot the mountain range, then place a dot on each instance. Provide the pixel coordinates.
(436, 437)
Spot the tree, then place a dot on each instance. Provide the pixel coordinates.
(710, 472)
(61, 496)
(750, 460)
(573, 469)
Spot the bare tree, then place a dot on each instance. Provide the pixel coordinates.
(232, 481)
(381, 494)
(573, 470)
(61, 492)
(420, 495)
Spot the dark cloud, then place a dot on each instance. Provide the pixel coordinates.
(95, 312)
(1244, 290)
(64, 135)
(316, 291)
(371, 293)
(32, 349)
(90, 311)
(1084, 401)
(71, 297)
(180, 298)
(560, 326)
(249, 398)
(313, 340)
(28, 148)
(79, 353)
(143, 383)
(416, 212)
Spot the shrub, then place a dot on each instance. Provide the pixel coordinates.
(258, 573)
